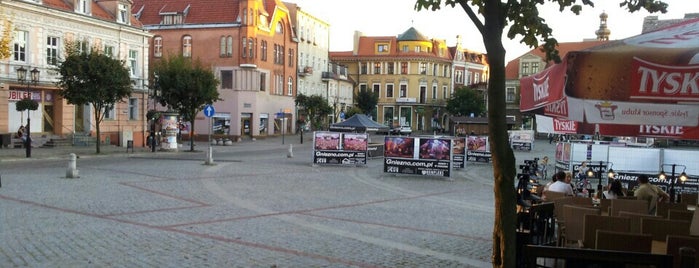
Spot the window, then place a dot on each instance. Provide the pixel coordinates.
(525, 69)
(417, 49)
(389, 90)
(109, 51)
(377, 89)
(291, 57)
(535, 67)
(229, 46)
(444, 92)
(251, 48)
(434, 69)
(423, 68)
(123, 14)
(280, 28)
(403, 68)
(377, 68)
(226, 79)
(83, 6)
(244, 45)
(245, 17)
(19, 46)
(52, 50)
(510, 94)
(222, 46)
(290, 87)
(459, 76)
(476, 79)
(405, 48)
(158, 46)
(133, 108)
(362, 87)
(468, 78)
(110, 112)
(403, 91)
(263, 50)
(390, 68)
(83, 46)
(363, 68)
(133, 62)
(382, 48)
(187, 46)
(263, 81)
(388, 116)
(434, 91)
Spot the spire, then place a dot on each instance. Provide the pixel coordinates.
(603, 32)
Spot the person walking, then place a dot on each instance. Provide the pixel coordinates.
(650, 193)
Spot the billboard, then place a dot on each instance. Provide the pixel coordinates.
(336, 148)
(522, 140)
(459, 152)
(478, 149)
(418, 156)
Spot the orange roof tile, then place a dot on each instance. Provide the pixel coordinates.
(200, 11)
(512, 67)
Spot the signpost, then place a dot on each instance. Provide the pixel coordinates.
(209, 112)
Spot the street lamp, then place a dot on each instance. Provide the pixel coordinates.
(683, 178)
(22, 79)
(154, 95)
(591, 173)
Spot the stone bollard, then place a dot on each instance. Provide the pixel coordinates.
(72, 171)
(210, 157)
(291, 151)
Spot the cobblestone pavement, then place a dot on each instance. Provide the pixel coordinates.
(256, 207)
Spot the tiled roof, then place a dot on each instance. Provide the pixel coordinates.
(98, 11)
(512, 67)
(200, 11)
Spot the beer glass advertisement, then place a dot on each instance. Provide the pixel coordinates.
(418, 156)
(459, 152)
(336, 148)
(478, 149)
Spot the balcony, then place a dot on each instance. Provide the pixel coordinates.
(327, 76)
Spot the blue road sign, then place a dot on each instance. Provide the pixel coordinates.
(209, 110)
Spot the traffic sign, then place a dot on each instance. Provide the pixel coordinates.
(209, 110)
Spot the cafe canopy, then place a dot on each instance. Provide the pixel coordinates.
(646, 85)
(358, 123)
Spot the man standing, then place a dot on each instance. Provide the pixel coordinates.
(650, 193)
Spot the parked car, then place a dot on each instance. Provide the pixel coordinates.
(402, 130)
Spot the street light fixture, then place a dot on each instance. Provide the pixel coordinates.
(22, 79)
(673, 179)
(591, 173)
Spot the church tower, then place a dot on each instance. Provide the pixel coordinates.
(603, 32)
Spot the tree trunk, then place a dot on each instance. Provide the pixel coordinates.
(97, 129)
(504, 172)
(191, 132)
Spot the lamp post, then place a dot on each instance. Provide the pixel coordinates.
(154, 96)
(600, 166)
(683, 178)
(22, 79)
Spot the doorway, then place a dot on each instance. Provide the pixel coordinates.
(48, 118)
(79, 118)
(246, 125)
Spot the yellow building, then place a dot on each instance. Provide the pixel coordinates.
(410, 73)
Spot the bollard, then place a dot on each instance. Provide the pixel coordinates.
(291, 151)
(210, 157)
(72, 171)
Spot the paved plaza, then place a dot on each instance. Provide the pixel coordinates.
(256, 207)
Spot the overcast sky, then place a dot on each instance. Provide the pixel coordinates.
(392, 17)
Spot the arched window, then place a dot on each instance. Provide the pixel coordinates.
(158, 46)
(229, 46)
(280, 28)
(290, 87)
(187, 46)
(222, 46)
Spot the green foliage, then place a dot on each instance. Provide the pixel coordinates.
(26, 104)
(466, 101)
(352, 111)
(185, 86)
(95, 79)
(316, 107)
(366, 101)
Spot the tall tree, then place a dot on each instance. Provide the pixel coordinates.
(91, 77)
(366, 101)
(185, 86)
(490, 18)
(466, 101)
(316, 107)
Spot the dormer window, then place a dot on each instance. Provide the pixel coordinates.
(82, 6)
(123, 14)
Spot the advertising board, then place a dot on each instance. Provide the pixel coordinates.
(478, 149)
(334, 148)
(418, 156)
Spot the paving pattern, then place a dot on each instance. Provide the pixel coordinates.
(255, 208)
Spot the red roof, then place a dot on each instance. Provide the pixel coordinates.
(512, 67)
(200, 11)
(98, 11)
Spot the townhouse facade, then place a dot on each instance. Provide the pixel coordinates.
(410, 73)
(38, 33)
(470, 69)
(251, 47)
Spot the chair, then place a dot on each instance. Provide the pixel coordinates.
(623, 241)
(694, 225)
(689, 198)
(660, 228)
(675, 242)
(630, 205)
(663, 207)
(553, 196)
(604, 205)
(575, 217)
(635, 219)
(592, 223)
(684, 215)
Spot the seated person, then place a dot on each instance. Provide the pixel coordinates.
(562, 184)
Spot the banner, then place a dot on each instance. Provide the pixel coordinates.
(340, 148)
(418, 156)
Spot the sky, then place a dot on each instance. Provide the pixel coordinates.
(393, 17)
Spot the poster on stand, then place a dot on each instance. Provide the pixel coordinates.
(418, 156)
(522, 140)
(335, 148)
(478, 149)
(459, 152)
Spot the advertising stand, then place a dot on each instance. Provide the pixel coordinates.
(418, 156)
(459, 152)
(522, 140)
(170, 127)
(478, 149)
(335, 148)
